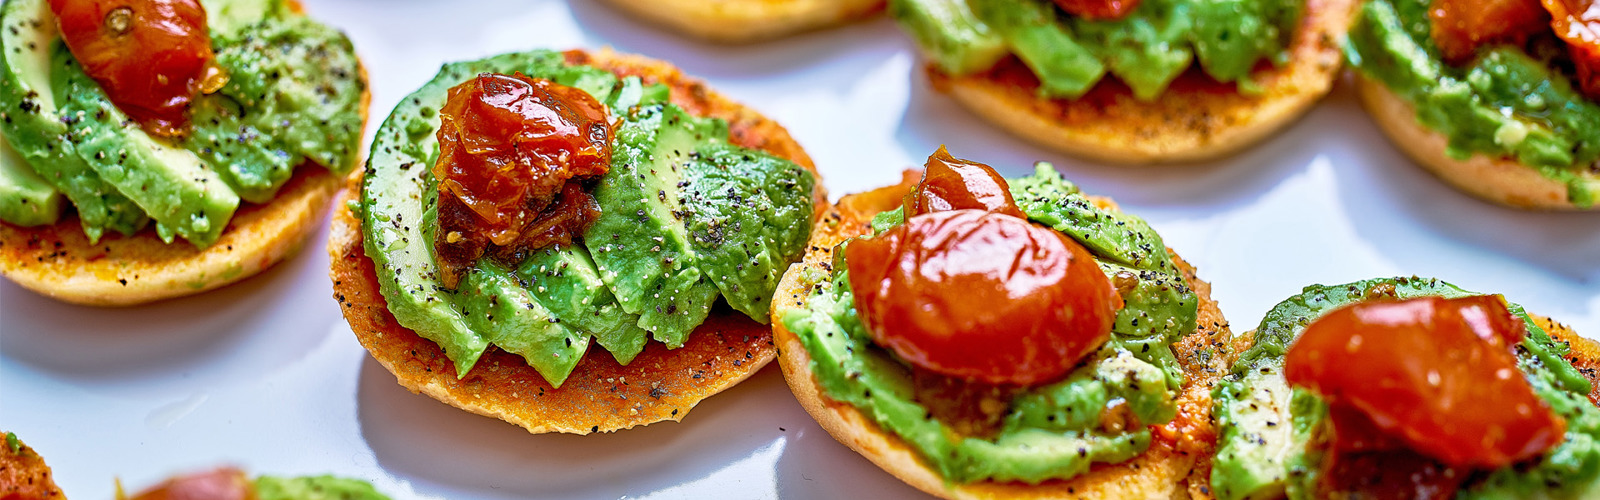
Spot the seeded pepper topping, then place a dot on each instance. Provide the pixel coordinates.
(1437, 377)
(152, 57)
(513, 152)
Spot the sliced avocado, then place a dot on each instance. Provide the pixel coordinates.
(184, 196)
(566, 281)
(1051, 200)
(250, 162)
(749, 217)
(315, 488)
(652, 270)
(950, 34)
(25, 198)
(1147, 49)
(32, 124)
(225, 17)
(509, 316)
(1231, 35)
(1036, 34)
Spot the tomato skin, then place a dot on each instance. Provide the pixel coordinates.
(226, 483)
(1437, 374)
(1098, 9)
(152, 57)
(949, 183)
(1459, 27)
(981, 296)
(510, 150)
(1577, 22)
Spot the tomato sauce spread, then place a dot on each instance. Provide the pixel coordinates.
(513, 152)
(1098, 9)
(1438, 393)
(972, 292)
(152, 57)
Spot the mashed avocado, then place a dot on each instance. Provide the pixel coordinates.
(1504, 103)
(294, 94)
(1052, 431)
(685, 217)
(1146, 49)
(1263, 451)
(315, 488)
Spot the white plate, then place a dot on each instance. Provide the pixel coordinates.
(267, 375)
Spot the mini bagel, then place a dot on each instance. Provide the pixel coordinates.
(742, 21)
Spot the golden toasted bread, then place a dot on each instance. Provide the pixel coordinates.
(58, 260)
(1501, 180)
(1195, 119)
(1180, 450)
(600, 395)
(23, 473)
(739, 21)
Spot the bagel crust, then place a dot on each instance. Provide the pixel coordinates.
(1177, 462)
(1196, 118)
(58, 261)
(600, 395)
(1498, 179)
(743, 21)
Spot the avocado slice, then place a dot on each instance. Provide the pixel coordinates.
(750, 214)
(566, 281)
(33, 125)
(950, 34)
(1034, 31)
(25, 198)
(184, 196)
(1147, 49)
(509, 316)
(640, 242)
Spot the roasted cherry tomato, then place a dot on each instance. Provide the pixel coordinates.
(226, 483)
(1461, 26)
(1438, 374)
(507, 147)
(152, 57)
(981, 296)
(1578, 23)
(1098, 9)
(949, 183)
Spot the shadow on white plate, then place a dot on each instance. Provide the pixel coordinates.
(176, 345)
(449, 452)
(814, 465)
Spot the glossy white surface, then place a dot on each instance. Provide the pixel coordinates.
(267, 375)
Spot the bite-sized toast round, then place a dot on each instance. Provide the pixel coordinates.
(1501, 180)
(23, 473)
(1176, 462)
(600, 395)
(1196, 118)
(741, 21)
(60, 262)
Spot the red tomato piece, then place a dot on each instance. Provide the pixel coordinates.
(982, 296)
(949, 183)
(152, 57)
(1461, 26)
(1098, 9)
(226, 483)
(1577, 22)
(1437, 374)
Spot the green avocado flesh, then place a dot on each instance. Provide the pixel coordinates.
(293, 95)
(685, 218)
(315, 488)
(1051, 431)
(1505, 103)
(1146, 49)
(1266, 425)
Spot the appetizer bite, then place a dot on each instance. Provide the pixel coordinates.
(1500, 99)
(979, 337)
(228, 483)
(517, 207)
(742, 21)
(1130, 81)
(129, 124)
(1407, 388)
(23, 473)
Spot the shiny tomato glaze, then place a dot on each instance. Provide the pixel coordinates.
(226, 483)
(981, 296)
(152, 57)
(949, 183)
(1461, 26)
(509, 147)
(1437, 374)
(1098, 9)
(1577, 22)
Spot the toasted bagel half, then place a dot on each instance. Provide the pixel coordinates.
(742, 21)
(1180, 450)
(1501, 180)
(1195, 119)
(600, 395)
(58, 261)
